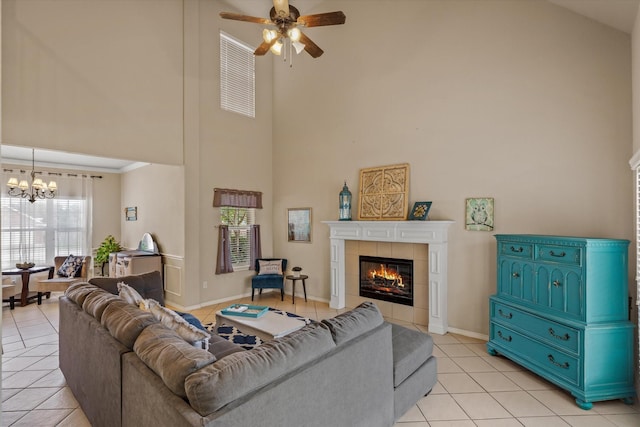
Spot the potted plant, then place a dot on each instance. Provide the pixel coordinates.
(108, 245)
(296, 271)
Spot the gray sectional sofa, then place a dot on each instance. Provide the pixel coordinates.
(127, 369)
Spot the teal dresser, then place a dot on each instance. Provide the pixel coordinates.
(561, 311)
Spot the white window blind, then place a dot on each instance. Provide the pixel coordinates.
(239, 221)
(37, 232)
(237, 76)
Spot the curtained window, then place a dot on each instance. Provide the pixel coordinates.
(238, 236)
(37, 232)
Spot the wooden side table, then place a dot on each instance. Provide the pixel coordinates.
(293, 286)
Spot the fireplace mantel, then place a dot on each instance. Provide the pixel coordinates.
(432, 233)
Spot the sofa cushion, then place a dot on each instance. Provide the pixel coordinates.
(410, 350)
(237, 374)
(169, 356)
(348, 325)
(71, 266)
(97, 301)
(125, 322)
(79, 291)
(172, 320)
(149, 285)
(128, 294)
(221, 347)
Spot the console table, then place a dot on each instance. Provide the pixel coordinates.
(25, 275)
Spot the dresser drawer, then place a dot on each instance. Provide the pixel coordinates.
(560, 254)
(516, 249)
(533, 352)
(553, 333)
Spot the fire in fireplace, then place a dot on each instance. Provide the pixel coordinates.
(387, 279)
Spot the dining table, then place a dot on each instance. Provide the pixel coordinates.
(25, 275)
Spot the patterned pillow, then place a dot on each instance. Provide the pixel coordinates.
(270, 267)
(169, 318)
(129, 294)
(71, 267)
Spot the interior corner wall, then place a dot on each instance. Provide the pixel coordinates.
(94, 77)
(156, 191)
(525, 102)
(222, 149)
(635, 77)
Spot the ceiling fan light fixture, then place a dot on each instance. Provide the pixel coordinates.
(299, 47)
(276, 49)
(294, 34)
(268, 35)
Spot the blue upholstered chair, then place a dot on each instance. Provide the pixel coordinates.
(268, 279)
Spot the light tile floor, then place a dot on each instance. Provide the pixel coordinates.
(474, 389)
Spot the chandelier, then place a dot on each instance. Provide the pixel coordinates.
(39, 189)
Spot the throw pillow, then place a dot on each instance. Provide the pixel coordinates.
(270, 267)
(169, 318)
(71, 266)
(129, 294)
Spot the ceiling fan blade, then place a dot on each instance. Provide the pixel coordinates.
(320, 19)
(281, 7)
(245, 18)
(311, 48)
(264, 47)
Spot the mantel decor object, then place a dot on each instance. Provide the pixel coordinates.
(383, 193)
(420, 211)
(345, 203)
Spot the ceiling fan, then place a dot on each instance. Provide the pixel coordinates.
(286, 20)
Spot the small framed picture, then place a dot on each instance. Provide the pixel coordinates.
(479, 214)
(131, 213)
(420, 211)
(299, 225)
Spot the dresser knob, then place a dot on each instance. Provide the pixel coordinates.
(557, 283)
(515, 275)
(516, 250)
(560, 255)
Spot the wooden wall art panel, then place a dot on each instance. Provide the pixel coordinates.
(384, 193)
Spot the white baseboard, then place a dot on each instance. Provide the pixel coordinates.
(468, 333)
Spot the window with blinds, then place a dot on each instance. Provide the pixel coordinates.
(40, 231)
(237, 76)
(239, 221)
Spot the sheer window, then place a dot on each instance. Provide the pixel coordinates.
(39, 231)
(239, 221)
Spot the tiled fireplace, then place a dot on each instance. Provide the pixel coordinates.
(423, 242)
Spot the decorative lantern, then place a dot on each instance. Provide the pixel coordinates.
(345, 203)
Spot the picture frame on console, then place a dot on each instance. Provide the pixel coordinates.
(420, 211)
(299, 225)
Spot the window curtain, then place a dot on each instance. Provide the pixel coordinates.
(39, 231)
(224, 251)
(237, 198)
(256, 246)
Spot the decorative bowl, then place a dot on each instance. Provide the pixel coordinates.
(24, 265)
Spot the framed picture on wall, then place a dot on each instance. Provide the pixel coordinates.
(299, 225)
(479, 214)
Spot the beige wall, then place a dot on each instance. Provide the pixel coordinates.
(95, 77)
(522, 101)
(222, 149)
